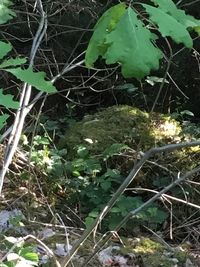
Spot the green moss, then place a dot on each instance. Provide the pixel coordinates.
(147, 245)
(155, 254)
(120, 124)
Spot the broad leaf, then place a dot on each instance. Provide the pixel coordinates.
(7, 101)
(169, 26)
(104, 26)
(12, 62)
(187, 112)
(36, 79)
(131, 45)
(170, 8)
(106, 185)
(4, 49)
(5, 12)
(120, 37)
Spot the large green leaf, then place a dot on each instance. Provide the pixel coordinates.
(104, 26)
(120, 37)
(7, 101)
(12, 62)
(5, 12)
(169, 26)
(170, 8)
(4, 49)
(130, 44)
(36, 79)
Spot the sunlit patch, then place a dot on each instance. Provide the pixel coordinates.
(169, 127)
(166, 129)
(90, 141)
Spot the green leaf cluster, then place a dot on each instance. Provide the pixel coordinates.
(121, 37)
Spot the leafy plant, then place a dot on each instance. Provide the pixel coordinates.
(21, 255)
(14, 67)
(94, 183)
(40, 152)
(120, 37)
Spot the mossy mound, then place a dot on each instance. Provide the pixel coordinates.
(139, 130)
(121, 124)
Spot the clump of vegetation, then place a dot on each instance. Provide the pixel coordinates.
(17, 252)
(101, 150)
(131, 128)
(121, 124)
(89, 181)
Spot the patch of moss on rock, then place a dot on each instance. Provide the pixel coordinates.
(120, 124)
